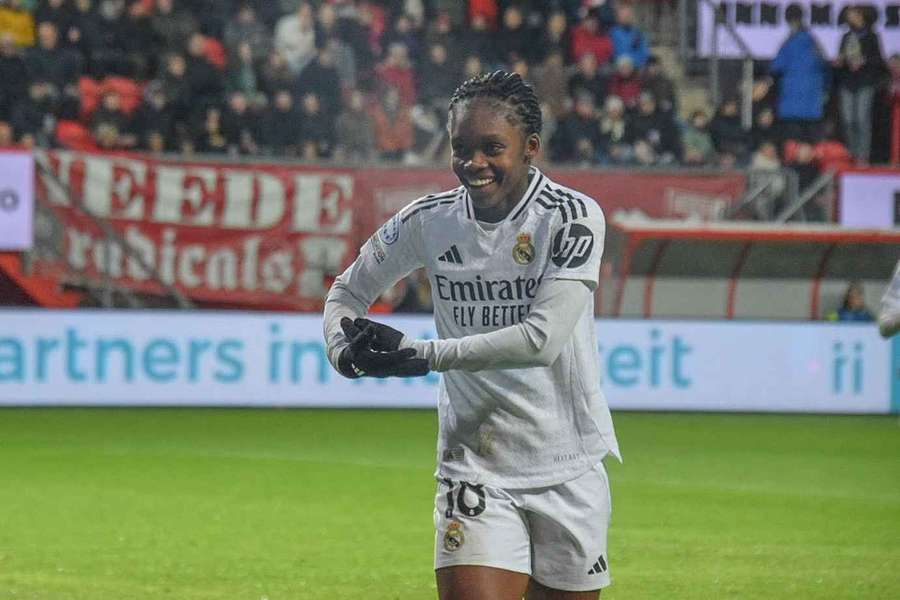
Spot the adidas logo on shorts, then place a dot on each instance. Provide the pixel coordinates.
(599, 566)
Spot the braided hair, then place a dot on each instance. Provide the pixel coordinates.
(507, 88)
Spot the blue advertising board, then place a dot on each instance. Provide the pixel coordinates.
(127, 358)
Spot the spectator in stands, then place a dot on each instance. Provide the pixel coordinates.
(513, 40)
(860, 66)
(51, 63)
(331, 38)
(276, 75)
(204, 79)
(140, 44)
(7, 139)
(209, 136)
(472, 67)
(697, 143)
(578, 138)
(627, 39)
(551, 83)
(13, 74)
(392, 123)
(766, 165)
(587, 79)
(155, 119)
(244, 28)
(396, 71)
(800, 68)
(173, 25)
(240, 125)
(655, 81)
(652, 133)
(438, 77)
(853, 306)
(800, 156)
(281, 126)
(614, 146)
(57, 12)
(727, 132)
(477, 39)
(295, 38)
(485, 11)
(587, 37)
(625, 82)
(241, 74)
(765, 130)
(403, 32)
(554, 38)
(316, 129)
(320, 77)
(17, 23)
(34, 117)
(355, 138)
(110, 114)
(85, 34)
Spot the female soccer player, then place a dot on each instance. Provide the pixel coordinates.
(522, 505)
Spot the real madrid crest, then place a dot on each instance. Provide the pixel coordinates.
(454, 538)
(523, 251)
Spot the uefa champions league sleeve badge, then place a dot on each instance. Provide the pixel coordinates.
(523, 251)
(453, 537)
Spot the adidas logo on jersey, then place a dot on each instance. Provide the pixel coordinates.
(599, 566)
(451, 256)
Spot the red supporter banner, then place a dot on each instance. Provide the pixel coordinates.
(270, 235)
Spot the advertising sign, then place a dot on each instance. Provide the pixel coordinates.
(761, 25)
(16, 200)
(125, 358)
(869, 200)
(272, 235)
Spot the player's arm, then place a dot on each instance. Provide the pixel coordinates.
(535, 342)
(386, 257)
(889, 312)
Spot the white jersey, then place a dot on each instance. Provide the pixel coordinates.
(510, 428)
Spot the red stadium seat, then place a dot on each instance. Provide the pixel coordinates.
(74, 136)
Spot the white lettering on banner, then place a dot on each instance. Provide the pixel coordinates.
(252, 200)
(311, 200)
(235, 266)
(178, 189)
(146, 357)
(761, 25)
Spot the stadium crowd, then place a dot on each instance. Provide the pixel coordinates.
(362, 80)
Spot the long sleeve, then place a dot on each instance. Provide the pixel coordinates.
(535, 342)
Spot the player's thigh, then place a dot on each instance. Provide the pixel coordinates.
(537, 591)
(568, 525)
(482, 544)
(469, 582)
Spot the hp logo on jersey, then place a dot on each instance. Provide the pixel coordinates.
(572, 246)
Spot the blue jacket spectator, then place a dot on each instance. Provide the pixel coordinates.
(627, 39)
(802, 71)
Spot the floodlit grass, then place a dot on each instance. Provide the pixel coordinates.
(308, 504)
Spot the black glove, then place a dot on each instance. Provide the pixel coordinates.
(360, 359)
(386, 338)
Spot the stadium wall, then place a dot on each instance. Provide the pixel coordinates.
(126, 358)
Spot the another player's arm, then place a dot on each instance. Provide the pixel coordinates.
(889, 312)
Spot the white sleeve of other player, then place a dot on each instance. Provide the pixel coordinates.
(535, 342)
(386, 257)
(577, 245)
(889, 313)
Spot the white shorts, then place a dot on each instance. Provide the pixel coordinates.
(556, 534)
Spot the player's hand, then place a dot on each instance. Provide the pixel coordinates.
(386, 338)
(360, 359)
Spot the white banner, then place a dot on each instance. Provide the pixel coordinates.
(869, 200)
(16, 200)
(127, 358)
(762, 27)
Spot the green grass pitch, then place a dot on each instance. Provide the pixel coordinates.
(308, 504)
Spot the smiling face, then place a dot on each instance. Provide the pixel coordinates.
(491, 155)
